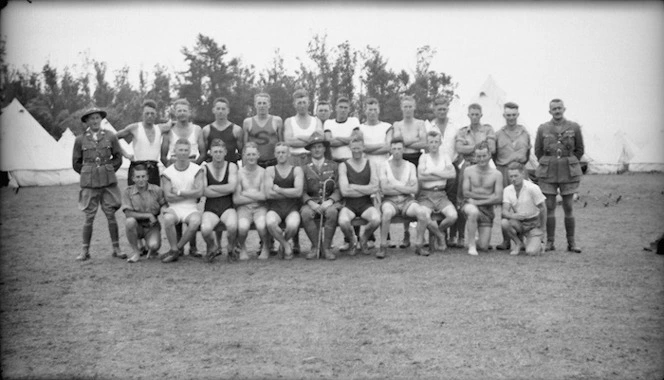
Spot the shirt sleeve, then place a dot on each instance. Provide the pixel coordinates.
(126, 200)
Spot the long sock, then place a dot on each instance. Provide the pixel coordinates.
(569, 230)
(113, 231)
(550, 228)
(87, 234)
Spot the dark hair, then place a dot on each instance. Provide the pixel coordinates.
(441, 101)
(397, 140)
(221, 100)
(511, 105)
(482, 145)
(140, 167)
(149, 103)
(181, 101)
(342, 99)
(300, 93)
(322, 103)
(371, 101)
(475, 106)
(218, 142)
(516, 166)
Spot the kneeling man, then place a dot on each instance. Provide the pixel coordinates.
(482, 191)
(524, 212)
(142, 202)
(358, 180)
(183, 186)
(434, 169)
(283, 186)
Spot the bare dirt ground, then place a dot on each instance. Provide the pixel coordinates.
(595, 315)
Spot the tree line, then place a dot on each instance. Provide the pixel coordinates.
(57, 98)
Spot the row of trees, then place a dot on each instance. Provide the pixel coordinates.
(57, 98)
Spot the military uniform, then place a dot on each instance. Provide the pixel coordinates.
(315, 180)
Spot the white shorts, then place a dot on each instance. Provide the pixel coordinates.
(182, 211)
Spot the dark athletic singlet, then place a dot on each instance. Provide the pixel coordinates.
(228, 138)
(363, 177)
(220, 204)
(265, 137)
(283, 207)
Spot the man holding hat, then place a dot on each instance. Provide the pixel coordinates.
(320, 196)
(96, 157)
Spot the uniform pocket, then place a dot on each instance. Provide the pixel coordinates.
(542, 170)
(110, 174)
(574, 167)
(86, 176)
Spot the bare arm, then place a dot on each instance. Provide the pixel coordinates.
(344, 186)
(372, 187)
(239, 137)
(246, 127)
(296, 191)
(420, 141)
(128, 131)
(202, 142)
(165, 141)
(219, 190)
(495, 198)
(289, 138)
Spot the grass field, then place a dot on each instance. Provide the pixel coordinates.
(595, 315)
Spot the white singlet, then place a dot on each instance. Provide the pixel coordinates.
(301, 132)
(144, 150)
(375, 134)
(341, 130)
(193, 140)
(183, 180)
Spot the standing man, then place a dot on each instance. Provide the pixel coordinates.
(183, 184)
(142, 202)
(341, 128)
(323, 111)
(283, 186)
(181, 128)
(524, 212)
(222, 128)
(145, 138)
(482, 191)
(249, 197)
(413, 134)
(220, 182)
(559, 147)
(299, 128)
(398, 183)
(263, 129)
(358, 180)
(467, 139)
(434, 170)
(512, 145)
(96, 157)
(320, 197)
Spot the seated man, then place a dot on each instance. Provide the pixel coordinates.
(398, 183)
(249, 197)
(434, 170)
(183, 186)
(482, 190)
(220, 183)
(320, 197)
(283, 186)
(141, 203)
(358, 180)
(524, 212)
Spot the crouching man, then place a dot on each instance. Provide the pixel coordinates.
(142, 202)
(524, 212)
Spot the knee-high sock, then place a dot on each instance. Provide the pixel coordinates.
(551, 228)
(569, 230)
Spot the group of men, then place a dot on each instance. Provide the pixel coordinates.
(326, 173)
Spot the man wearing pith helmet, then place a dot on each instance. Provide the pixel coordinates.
(96, 157)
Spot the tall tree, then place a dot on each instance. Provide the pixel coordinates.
(160, 91)
(104, 94)
(343, 72)
(276, 82)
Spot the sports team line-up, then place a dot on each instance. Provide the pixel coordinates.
(320, 173)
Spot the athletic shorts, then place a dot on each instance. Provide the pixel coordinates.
(145, 228)
(183, 210)
(486, 215)
(552, 188)
(435, 200)
(109, 197)
(401, 203)
(251, 211)
(358, 205)
(284, 207)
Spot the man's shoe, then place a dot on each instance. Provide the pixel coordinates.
(405, 244)
(504, 246)
(573, 248)
(371, 244)
(134, 258)
(330, 256)
(120, 255)
(144, 251)
(382, 251)
(193, 252)
(549, 246)
(171, 256)
(313, 254)
(344, 247)
(83, 256)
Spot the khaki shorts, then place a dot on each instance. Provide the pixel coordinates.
(182, 211)
(251, 211)
(401, 203)
(435, 200)
(552, 188)
(90, 199)
(530, 228)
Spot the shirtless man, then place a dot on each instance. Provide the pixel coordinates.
(220, 183)
(249, 197)
(183, 185)
(283, 186)
(434, 170)
(413, 134)
(398, 183)
(299, 128)
(341, 128)
(524, 212)
(358, 180)
(222, 128)
(181, 128)
(145, 138)
(263, 129)
(482, 190)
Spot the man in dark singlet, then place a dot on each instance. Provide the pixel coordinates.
(358, 180)
(263, 129)
(283, 186)
(220, 183)
(224, 129)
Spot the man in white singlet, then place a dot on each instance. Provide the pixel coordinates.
(183, 185)
(299, 128)
(341, 129)
(375, 134)
(181, 128)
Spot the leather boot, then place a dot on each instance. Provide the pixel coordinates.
(570, 224)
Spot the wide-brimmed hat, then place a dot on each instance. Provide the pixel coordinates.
(91, 111)
(317, 138)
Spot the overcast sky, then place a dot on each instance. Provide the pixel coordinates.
(604, 59)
